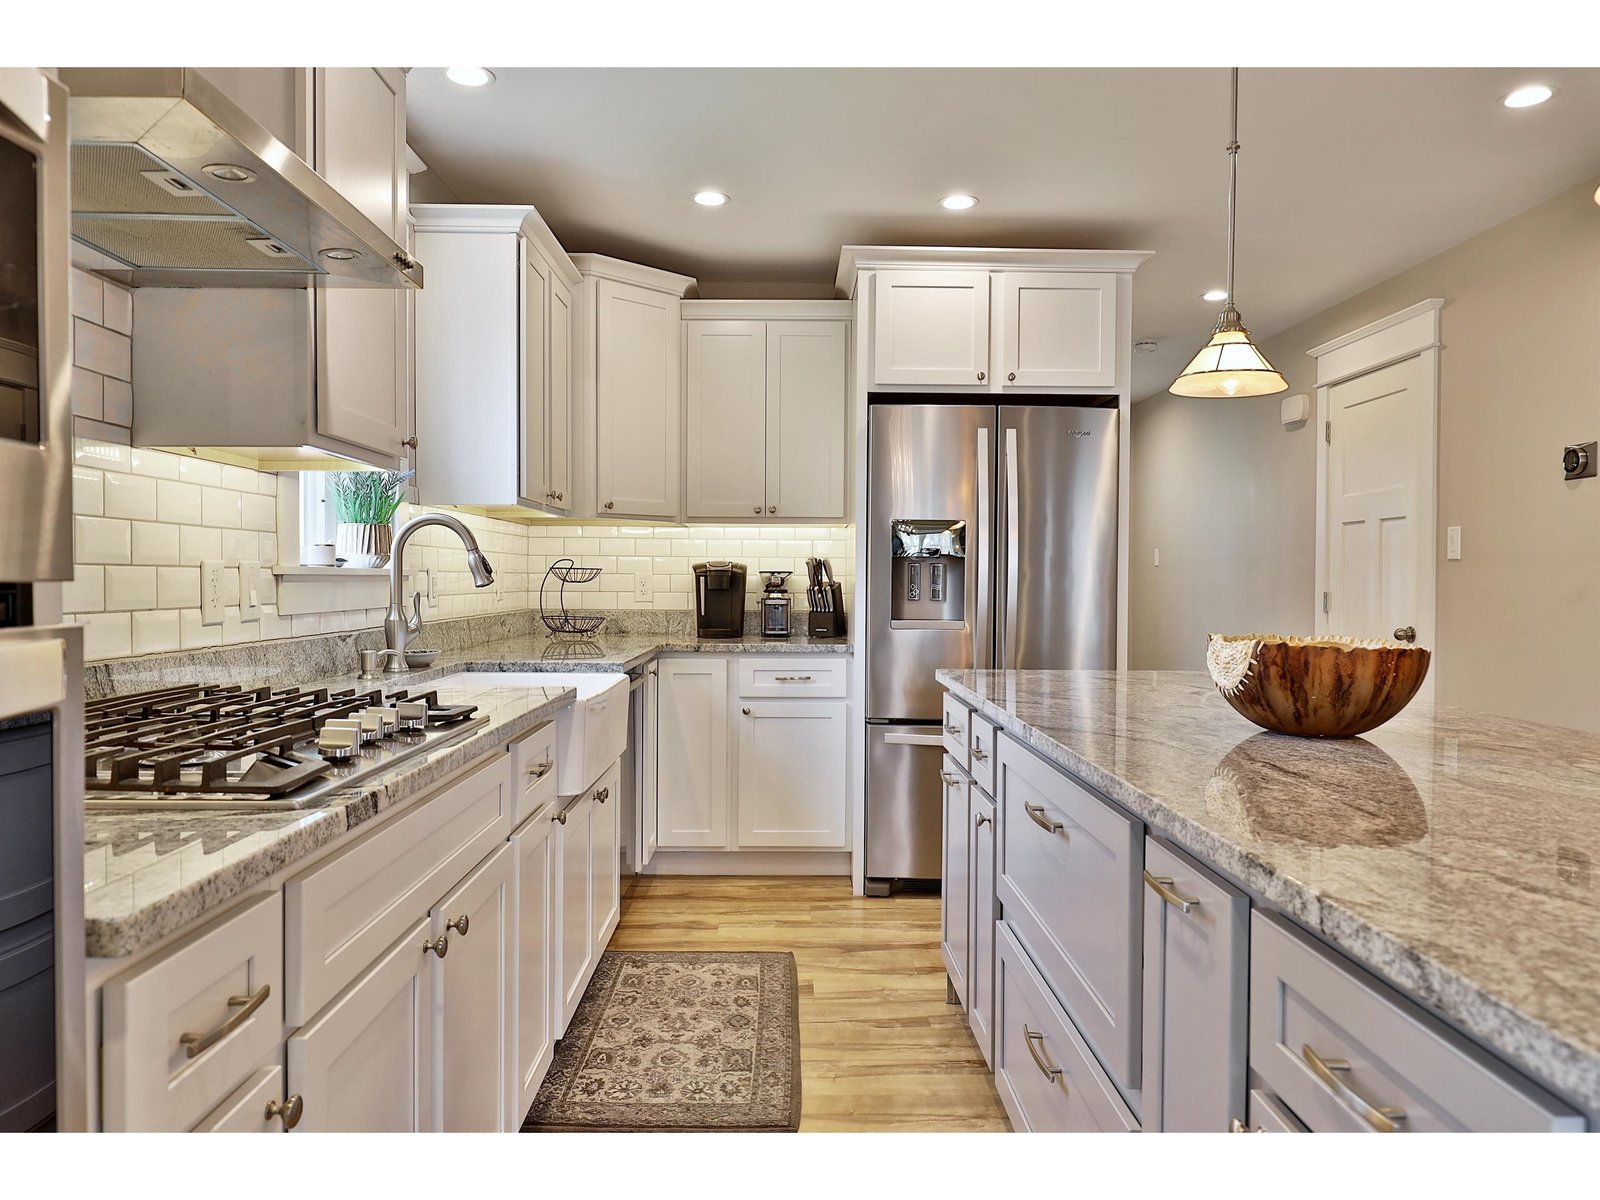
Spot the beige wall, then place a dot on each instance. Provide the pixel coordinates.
(1519, 614)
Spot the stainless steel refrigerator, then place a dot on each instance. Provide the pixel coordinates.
(991, 542)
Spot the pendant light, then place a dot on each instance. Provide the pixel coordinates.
(1230, 364)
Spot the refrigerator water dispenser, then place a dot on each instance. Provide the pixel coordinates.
(928, 574)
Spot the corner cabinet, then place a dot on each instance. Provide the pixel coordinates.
(494, 348)
(765, 410)
(630, 386)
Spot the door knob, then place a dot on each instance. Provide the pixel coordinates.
(1011, 376)
(772, 508)
(410, 441)
(610, 504)
(981, 376)
(1406, 633)
(758, 510)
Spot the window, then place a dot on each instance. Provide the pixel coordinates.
(317, 519)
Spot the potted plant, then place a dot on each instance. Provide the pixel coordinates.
(365, 502)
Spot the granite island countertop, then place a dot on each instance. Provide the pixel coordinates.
(1452, 853)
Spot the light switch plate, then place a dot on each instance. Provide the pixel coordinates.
(212, 592)
(1452, 542)
(249, 590)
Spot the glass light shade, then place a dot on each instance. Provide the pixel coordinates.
(1229, 365)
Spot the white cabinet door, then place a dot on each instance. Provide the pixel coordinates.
(692, 773)
(1059, 329)
(637, 420)
(646, 837)
(473, 1040)
(257, 1107)
(726, 418)
(560, 423)
(806, 396)
(931, 327)
(360, 124)
(955, 879)
(792, 789)
(365, 1063)
(535, 416)
(575, 873)
(984, 909)
(532, 851)
(605, 859)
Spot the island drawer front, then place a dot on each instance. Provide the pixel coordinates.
(223, 988)
(957, 718)
(1070, 880)
(1308, 1005)
(345, 911)
(246, 1110)
(1265, 1113)
(793, 676)
(533, 766)
(981, 739)
(1033, 1038)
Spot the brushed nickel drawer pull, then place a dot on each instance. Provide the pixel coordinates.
(287, 1111)
(793, 678)
(1036, 814)
(979, 753)
(949, 779)
(1329, 1071)
(1050, 1073)
(540, 770)
(1162, 886)
(460, 925)
(196, 1044)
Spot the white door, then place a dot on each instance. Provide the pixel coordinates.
(725, 409)
(360, 125)
(931, 327)
(532, 855)
(365, 1063)
(575, 844)
(473, 1025)
(692, 769)
(560, 424)
(636, 401)
(535, 415)
(1058, 329)
(792, 789)
(1377, 550)
(605, 858)
(806, 396)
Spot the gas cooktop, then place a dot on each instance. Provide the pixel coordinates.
(226, 747)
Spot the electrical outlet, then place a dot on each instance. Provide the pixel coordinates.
(212, 592)
(643, 588)
(1157, 562)
(249, 590)
(1452, 542)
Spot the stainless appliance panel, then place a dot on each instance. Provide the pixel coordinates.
(1056, 602)
(905, 802)
(927, 462)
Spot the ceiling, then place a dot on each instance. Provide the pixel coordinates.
(1346, 175)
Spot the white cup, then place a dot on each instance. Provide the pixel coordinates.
(320, 555)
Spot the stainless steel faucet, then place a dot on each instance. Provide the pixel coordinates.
(399, 629)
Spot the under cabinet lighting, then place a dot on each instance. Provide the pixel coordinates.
(469, 76)
(711, 199)
(1527, 97)
(958, 202)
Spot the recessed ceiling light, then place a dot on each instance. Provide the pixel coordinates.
(1527, 97)
(1215, 294)
(711, 199)
(469, 76)
(958, 201)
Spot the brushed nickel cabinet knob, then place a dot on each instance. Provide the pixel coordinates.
(288, 1111)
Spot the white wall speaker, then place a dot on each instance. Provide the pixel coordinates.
(1294, 410)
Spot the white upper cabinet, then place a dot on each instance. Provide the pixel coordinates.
(1058, 329)
(931, 327)
(493, 358)
(764, 415)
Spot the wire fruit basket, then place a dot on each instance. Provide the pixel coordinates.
(566, 623)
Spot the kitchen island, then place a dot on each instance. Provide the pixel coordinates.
(1450, 853)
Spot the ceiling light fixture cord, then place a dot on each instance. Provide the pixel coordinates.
(1233, 181)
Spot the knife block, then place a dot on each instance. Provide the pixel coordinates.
(821, 624)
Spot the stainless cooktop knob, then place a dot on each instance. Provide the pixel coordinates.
(338, 742)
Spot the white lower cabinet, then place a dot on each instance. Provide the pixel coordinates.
(605, 860)
(692, 753)
(532, 853)
(570, 934)
(792, 786)
(259, 1106)
(955, 881)
(366, 1062)
(983, 911)
(473, 996)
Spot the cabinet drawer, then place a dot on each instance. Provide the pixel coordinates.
(1046, 1075)
(1345, 1052)
(793, 676)
(1265, 1113)
(349, 908)
(957, 723)
(533, 767)
(981, 736)
(246, 1110)
(185, 1029)
(1069, 879)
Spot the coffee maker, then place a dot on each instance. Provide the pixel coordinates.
(719, 599)
(775, 604)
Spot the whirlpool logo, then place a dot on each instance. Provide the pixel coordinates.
(1079, 432)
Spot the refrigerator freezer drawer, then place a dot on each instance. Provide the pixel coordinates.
(905, 802)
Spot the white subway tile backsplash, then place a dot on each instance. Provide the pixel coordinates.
(178, 503)
(88, 394)
(196, 544)
(88, 497)
(130, 588)
(155, 545)
(117, 308)
(105, 635)
(258, 512)
(238, 544)
(99, 540)
(192, 635)
(221, 508)
(299, 626)
(178, 587)
(155, 632)
(86, 592)
(86, 295)
(107, 456)
(235, 631)
(118, 402)
(130, 496)
(239, 479)
(101, 350)
(157, 464)
(199, 471)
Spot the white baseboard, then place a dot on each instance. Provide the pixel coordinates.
(749, 862)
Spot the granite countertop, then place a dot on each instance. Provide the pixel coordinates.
(1453, 853)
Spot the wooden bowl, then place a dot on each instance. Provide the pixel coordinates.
(1315, 687)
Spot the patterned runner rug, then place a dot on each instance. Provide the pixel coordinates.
(679, 1041)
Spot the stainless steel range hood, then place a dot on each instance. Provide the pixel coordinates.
(182, 188)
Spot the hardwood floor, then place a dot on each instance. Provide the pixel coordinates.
(880, 1048)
